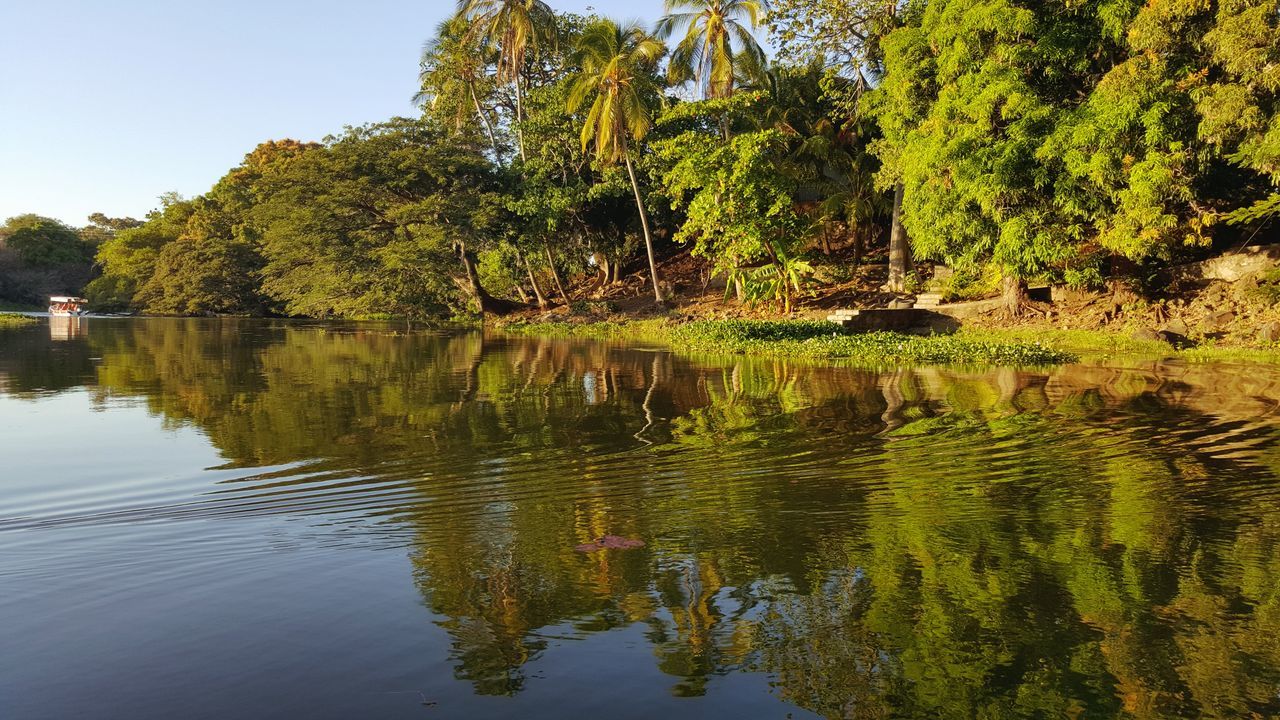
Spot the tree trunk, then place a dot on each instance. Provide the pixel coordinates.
(485, 302)
(555, 273)
(857, 245)
(1013, 291)
(520, 117)
(603, 261)
(488, 126)
(826, 244)
(644, 223)
(899, 247)
(524, 296)
(533, 280)
(1122, 269)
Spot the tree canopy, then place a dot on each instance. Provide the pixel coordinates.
(1012, 139)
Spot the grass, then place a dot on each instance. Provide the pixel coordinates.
(812, 339)
(9, 320)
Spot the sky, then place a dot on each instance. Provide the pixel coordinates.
(104, 106)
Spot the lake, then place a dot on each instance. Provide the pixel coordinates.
(261, 519)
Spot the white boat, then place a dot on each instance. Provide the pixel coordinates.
(67, 306)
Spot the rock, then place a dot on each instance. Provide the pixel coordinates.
(1269, 332)
(929, 299)
(1146, 335)
(1217, 321)
(1175, 327)
(900, 304)
(1232, 266)
(1175, 339)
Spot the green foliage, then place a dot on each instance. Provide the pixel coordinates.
(40, 257)
(738, 207)
(370, 223)
(10, 320)
(1026, 140)
(963, 119)
(129, 258)
(778, 282)
(43, 242)
(1268, 289)
(718, 45)
(814, 340)
(616, 76)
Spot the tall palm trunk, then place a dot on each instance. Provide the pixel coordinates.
(484, 119)
(520, 116)
(644, 219)
(899, 246)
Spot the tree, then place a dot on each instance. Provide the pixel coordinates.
(128, 258)
(42, 242)
(739, 200)
(40, 256)
(211, 268)
(846, 38)
(383, 220)
(717, 42)
(1126, 160)
(617, 75)
(514, 27)
(968, 98)
(1240, 108)
(453, 78)
(102, 228)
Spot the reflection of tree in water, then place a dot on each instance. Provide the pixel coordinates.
(918, 543)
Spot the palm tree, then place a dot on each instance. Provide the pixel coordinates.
(617, 70)
(513, 26)
(453, 74)
(712, 28)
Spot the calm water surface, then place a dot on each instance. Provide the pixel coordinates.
(234, 519)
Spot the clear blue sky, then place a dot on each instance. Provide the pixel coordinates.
(106, 105)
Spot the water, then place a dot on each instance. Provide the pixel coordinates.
(266, 519)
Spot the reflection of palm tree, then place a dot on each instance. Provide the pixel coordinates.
(617, 61)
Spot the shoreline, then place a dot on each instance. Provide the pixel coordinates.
(822, 340)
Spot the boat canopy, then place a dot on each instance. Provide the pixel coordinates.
(67, 299)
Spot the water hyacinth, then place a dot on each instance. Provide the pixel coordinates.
(814, 339)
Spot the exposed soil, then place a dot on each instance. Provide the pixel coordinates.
(1186, 312)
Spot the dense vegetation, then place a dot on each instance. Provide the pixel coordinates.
(40, 256)
(813, 339)
(1070, 141)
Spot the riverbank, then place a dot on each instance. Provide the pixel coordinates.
(1019, 346)
(10, 320)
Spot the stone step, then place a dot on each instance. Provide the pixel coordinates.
(891, 319)
(928, 299)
